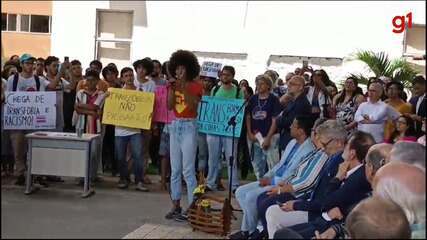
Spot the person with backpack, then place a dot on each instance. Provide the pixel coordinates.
(217, 143)
(25, 81)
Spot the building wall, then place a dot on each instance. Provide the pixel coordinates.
(258, 29)
(36, 44)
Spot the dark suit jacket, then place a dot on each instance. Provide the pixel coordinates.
(320, 191)
(300, 106)
(421, 111)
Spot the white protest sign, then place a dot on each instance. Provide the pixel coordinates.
(210, 69)
(29, 110)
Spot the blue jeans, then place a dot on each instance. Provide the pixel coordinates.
(215, 145)
(183, 148)
(263, 159)
(247, 196)
(203, 151)
(121, 144)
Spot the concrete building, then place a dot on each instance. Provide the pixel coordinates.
(252, 36)
(26, 28)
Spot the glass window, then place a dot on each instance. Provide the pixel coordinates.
(11, 22)
(39, 23)
(3, 21)
(25, 23)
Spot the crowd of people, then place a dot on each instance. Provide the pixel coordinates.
(329, 162)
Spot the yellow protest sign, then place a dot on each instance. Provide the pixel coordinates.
(128, 108)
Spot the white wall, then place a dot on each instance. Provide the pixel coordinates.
(321, 29)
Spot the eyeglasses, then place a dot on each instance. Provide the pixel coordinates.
(401, 122)
(327, 143)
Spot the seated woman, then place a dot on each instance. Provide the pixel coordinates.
(405, 130)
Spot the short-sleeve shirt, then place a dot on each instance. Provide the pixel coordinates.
(181, 109)
(230, 93)
(148, 86)
(26, 84)
(262, 112)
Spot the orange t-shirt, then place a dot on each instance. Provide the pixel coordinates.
(101, 86)
(181, 109)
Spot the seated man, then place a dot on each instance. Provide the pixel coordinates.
(331, 135)
(300, 182)
(247, 194)
(375, 159)
(405, 184)
(347, 188)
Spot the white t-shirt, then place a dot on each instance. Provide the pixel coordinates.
(149, 86)
(378, 112)
(26, 84)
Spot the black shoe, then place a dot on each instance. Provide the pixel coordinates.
(258, 235)
(182, 217)
(239, 235)
(20, 181)
(41, 181)
(173, 213)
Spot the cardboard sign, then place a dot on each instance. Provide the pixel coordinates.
(30, 110)
(214, 114)
(210, 69)
(128, 108)
(161, 112)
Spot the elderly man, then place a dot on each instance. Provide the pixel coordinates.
(384, 149)
(372, 115)
(331, 136)
(409, 152)
(405, 185)
(372, 218)
(347, 188)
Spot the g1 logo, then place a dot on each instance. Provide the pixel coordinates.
(399, 23)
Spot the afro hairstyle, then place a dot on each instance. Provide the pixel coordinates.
(186, 59)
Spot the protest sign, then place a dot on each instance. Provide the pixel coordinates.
(161, 112)
(210, 69)
(128, 108)
(214, 114)
(30, 110)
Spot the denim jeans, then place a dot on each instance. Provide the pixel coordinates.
(183, 148)
(264, 158)
(203, 152)
(121, 143)
(247, 196)
(215, 145)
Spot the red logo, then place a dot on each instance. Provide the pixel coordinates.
(399, 23)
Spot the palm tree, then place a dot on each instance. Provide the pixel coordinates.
(380, 64)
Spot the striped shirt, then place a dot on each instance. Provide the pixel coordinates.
(89, 123)
(305, 176)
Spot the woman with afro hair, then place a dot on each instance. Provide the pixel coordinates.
(184, 95)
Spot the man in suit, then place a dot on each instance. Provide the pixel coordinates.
(346, 189)
(418, 102)
(331, 136)
(298, 105)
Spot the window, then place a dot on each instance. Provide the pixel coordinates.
(11, 22)
(39, 24)
(3, 21)
(25, 23)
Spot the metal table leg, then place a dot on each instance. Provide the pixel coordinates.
(87, 191)
(28, 182)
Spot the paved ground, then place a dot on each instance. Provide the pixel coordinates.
(59, 212)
